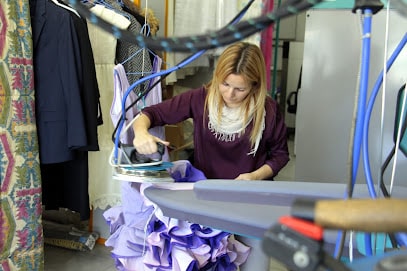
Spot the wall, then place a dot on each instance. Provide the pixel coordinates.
(326, 101)
(295, 59)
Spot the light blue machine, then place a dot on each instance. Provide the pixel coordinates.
(250, 208)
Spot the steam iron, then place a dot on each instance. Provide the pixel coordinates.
(131, 156)
(136, 167)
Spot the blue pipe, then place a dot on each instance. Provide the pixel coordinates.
(363, 87)
(123, 119)
(401, 237)
(176, 67)
(363, 92)
(369, 110)
(367, 27)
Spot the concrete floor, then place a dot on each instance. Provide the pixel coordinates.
(60, 259)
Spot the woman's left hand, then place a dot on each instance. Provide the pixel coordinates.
(261, 173)
(246, 177)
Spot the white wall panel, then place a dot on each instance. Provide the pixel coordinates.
(326, 100)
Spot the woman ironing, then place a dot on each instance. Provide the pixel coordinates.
(239, 132)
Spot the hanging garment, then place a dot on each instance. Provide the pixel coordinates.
(66, 185)
(136, 62)
(103, 190)
(67, 94)
(89, 87)
(67, 105)
(121, 86)
(154, 96)
(57, 74)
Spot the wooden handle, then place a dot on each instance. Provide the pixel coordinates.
(369, 215)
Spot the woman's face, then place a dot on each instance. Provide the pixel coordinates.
(234, 90)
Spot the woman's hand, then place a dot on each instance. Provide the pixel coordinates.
(261, 173)
(246, 177)
(144, 142)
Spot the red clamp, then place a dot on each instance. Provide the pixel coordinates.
(304, 227)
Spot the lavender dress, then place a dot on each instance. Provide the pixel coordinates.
(143, 238)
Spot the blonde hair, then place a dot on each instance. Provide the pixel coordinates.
(246, 60)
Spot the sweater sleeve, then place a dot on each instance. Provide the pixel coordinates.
(179, 108)
(278, 155)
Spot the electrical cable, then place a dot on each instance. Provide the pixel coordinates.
(383, 106)
(400, 237)
(145, 92)
(122, 120)
(297, 4)
(363, 94)
(188, 60)
(398, 138)
(179, 65)
(385, 57)
(366, 43)
(360, 113)
(369, 109)
(196, 43)
(291, 7)
(341, 236)
(368, 245)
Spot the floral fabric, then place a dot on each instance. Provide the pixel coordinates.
(21, 238)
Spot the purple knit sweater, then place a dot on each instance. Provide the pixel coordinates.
(219, 159)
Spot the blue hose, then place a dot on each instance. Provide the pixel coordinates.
(369, 110)
(401, 237)
(123, 118)
(363, 87)
(367, 29)
(165, 72)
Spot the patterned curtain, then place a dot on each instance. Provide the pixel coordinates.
(21, 238)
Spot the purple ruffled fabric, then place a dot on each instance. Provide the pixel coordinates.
(143, 239)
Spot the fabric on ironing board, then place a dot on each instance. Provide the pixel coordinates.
(183, 171)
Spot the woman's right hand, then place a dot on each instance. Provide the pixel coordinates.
(146, 143)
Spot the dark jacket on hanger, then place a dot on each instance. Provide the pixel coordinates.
(67, 100)
(89, 86)
(59, 80)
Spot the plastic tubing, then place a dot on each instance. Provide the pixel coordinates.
(357, 140)
(401, 237)
(195, 43)
(176, 67)
(369, 110)
(122, 120)
(362, 108)
(363, 92)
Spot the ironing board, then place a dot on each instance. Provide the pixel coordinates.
(246, 208)
(249, 208)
